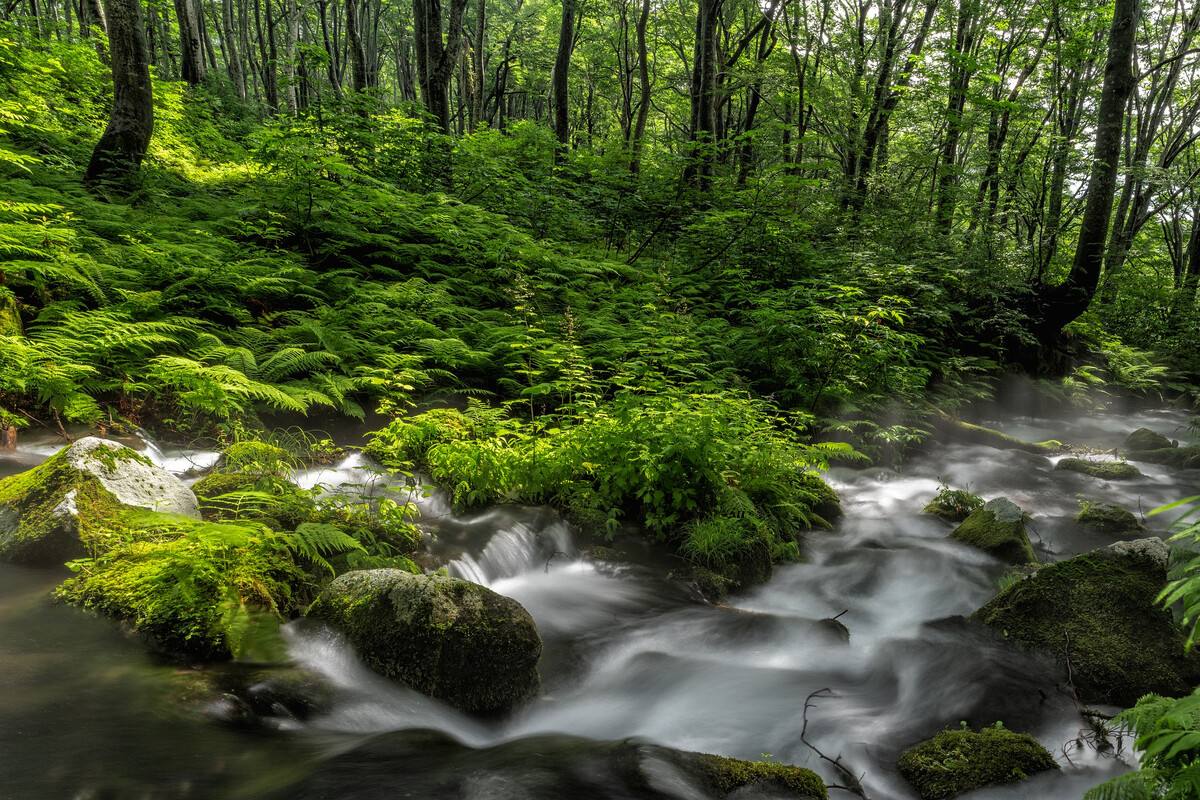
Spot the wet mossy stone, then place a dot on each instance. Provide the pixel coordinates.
(447, 638)
(1177, 457)
(969, 433)
(1110, 519)
(958, 761)
(1146, 439)
(41, 509)
(998, 528)
(730, 775)
(1096, 613)
(283, 505)
(1107, 470)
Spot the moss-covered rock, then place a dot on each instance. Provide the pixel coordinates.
(1097, 613)
(1110, 519)
(953, 505)
(728, 775)
(998, 528)
(275, 502)
(1177, 457)
(49, 514)
(1146, 439)
(1107, 470)
(444, 637)
(959, 761)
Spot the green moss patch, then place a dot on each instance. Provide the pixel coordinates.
(998, 528)
(727, 775)
(1106, 470)
(1097, 613)
(1146, 439)
(953, 505)
(1109, 518)
(958, 761)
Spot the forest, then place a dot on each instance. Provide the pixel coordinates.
(614, 399)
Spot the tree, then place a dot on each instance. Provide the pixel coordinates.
(191, 46)
(121, 148)
(437, 57)
(1062, 303)
(562, 65)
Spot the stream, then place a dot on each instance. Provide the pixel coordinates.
(86, 713)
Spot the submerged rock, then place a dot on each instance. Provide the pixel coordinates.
(998, 528)
(40, 509)
(1110, 519)
(1096, 615)
(1146, 439)
(959, 761)
(1108, 470)
(958, 430)
(447, 638)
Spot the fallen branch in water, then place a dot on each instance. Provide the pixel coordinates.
(853, 783)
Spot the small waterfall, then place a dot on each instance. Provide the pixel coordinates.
(179, 461)
(513, 551)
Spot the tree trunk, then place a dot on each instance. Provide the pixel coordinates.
(437, 57)
(703, 130)
(358, 55)
(123, 145)
(237, 75)
(1068, 300)
(561, 86)
(191, 48)
(643, 109)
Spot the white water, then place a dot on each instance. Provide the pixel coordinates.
(629, 655)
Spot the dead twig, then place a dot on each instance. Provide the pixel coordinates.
(853, 783)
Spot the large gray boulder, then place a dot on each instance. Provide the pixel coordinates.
(447, 638)
(41, 509)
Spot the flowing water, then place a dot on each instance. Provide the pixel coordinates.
(85, 713)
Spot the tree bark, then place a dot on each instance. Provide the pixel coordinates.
(191, 47)
(437, 56)
(121, 148)
(1068, 300)
(561, 85)
(358, 55)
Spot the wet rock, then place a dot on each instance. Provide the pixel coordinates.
(958, 761)
(445, 637)
(40, 509)
(1146, 439)
(259, 698)
(1096, 615)
(1177, 457)
(1107, 470)
(958, 430)
(544, 767)
(1110, 519)
(998, 528)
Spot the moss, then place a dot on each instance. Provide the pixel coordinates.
(1177, 457)
(1146, 439)
(35, 527)
(738, 549)
(191, 588)
(727, 775)
(1098, 612)
(953, 505)
(978, 434)
(959, 761)
(1109, 518)
(445, 637)
(277, 503)
(10, 315)
(1106, 470)
(997, 528)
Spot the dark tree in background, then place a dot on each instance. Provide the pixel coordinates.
(123, 145)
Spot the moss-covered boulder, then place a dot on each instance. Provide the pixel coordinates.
(958, 761)
(998, 528)
(1177, 457)
(1096, 613)
(41, 509)
(445, 637)
(1109, 519)
(725, 776)
(1146, 439)
(1107, 470)
(275, 502)
(953, 505)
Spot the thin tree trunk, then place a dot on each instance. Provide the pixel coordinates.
(561, 86)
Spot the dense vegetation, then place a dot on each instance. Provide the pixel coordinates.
(649, 264)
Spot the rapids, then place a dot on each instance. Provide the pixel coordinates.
(85, 713)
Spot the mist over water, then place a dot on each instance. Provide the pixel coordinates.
(629, 651)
